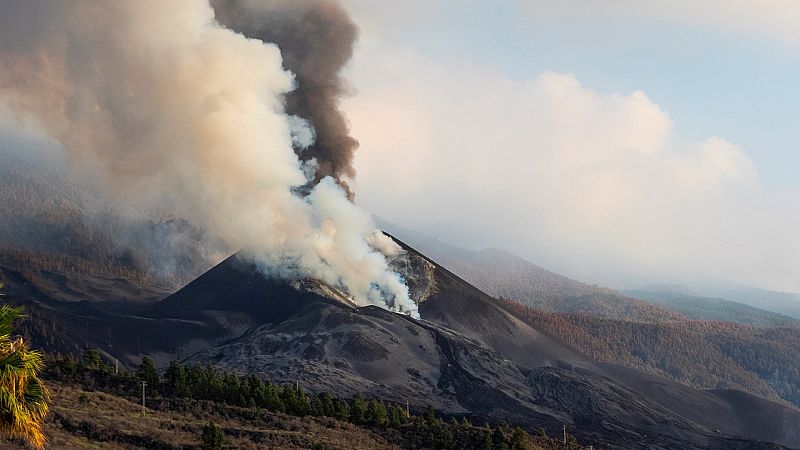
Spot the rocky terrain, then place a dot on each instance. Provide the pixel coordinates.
(470, 354)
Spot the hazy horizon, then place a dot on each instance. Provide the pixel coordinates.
(620, 144)
(694, 286)
(617, 144)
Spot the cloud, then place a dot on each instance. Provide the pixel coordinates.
(773, 19)
(592, 183)
(776, 19)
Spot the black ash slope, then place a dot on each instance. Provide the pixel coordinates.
(468, 354)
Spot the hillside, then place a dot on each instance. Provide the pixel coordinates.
(786, 303)
(502, 274)
(676, 336)
(701, 308)
(470, 353)
(51, 216)
(95, 408)
(71, 311)
(83, 419)
(89, 413)
(701, 354)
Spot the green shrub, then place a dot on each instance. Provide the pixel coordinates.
(212, 437)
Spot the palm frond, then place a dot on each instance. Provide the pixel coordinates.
(8, 315)
(23, 398)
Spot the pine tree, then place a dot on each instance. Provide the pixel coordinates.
(147, 372)
(303, 403)
(444, 439)
(317, 409)
(396, 416)
(175, 379)
(419, 424)
(430, 415)
(69, 366)
(342, 409)
(376, 413)
(212, 437)
(256, 392)
(358, 412)
(499, 438)
(274, 401)
(488, 444)
(519, 439)
(91, 358)
(290, 400)
(328, 408)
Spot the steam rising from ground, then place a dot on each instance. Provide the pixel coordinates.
(171, 110)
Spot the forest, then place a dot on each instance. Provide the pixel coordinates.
(698, 353)
(244, 398)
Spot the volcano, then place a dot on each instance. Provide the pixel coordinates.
(469, 355)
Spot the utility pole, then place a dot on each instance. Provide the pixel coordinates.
(408, 412)
(144, 384)
(565, 433)
(116, 366)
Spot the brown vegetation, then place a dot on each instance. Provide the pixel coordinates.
(96, 420)
(701, 354)
(95, 408)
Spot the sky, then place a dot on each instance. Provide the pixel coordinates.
(619, 142)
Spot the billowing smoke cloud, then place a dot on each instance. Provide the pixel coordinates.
(316, 39)
(171, 110)
(596, 185)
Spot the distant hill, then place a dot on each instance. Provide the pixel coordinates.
(702, 354)
(677, 339)
(47, 211)
(502, 274)
(701, 308)
(786, 303)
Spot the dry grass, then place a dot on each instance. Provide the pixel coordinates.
(103, 421)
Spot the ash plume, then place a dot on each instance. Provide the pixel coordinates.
(316, 39)
(169, 110)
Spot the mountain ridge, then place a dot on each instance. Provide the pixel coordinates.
(470, 354)
(503, 274)
(335, 347)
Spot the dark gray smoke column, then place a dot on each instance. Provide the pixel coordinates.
(316, 39)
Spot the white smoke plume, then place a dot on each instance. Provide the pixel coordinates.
(171, 110)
